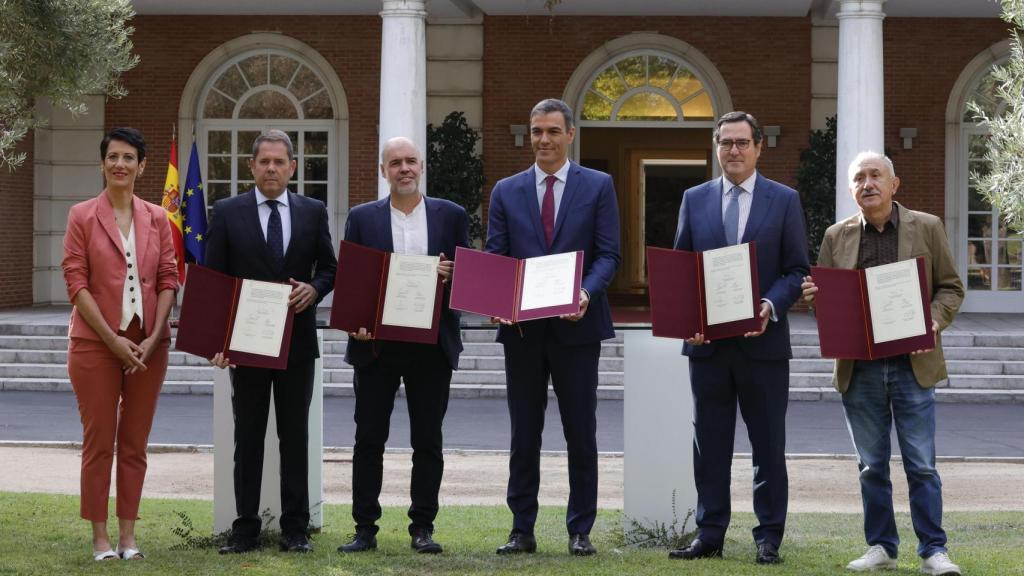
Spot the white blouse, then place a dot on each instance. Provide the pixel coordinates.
(131, 298)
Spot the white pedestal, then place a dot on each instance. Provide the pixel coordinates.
(658, 431)
(224, 450)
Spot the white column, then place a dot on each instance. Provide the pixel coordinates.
(861, 105)
(403, 77)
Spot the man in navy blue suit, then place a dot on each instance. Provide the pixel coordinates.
(753, 370)
(406, 222)
(555, 206)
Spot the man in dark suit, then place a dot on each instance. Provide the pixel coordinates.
(753, 370)
(274, 235)
(555, 206)
(406, 222)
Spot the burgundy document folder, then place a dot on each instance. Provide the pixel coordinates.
(208, 317)
(675, 281)
(359, 288)
(492, 285)
(843, 313)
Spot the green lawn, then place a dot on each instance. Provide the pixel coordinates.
(42, 534)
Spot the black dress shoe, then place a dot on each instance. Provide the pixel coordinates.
(768, 554)
(518, 543)
(423, 543)
(239, 546)
(579, 545)
(697, 549)
(295, 543)
(361, 542)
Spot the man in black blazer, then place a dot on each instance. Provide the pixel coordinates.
(406, 222)
(274, 235)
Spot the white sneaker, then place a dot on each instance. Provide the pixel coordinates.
(938, 564)
(876, 558)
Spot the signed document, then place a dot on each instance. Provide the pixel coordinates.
(260, 318)
(548, 281)
(727, 284)
(410, 291)
(894, 297)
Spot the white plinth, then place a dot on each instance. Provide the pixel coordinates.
(224, 450)
(658, 431)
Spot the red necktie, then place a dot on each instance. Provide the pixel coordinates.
(547, 210)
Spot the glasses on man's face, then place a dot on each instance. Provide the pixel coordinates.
(726, 145)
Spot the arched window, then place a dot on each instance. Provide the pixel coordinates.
(994, 253)
(647, 87)
(255, 91)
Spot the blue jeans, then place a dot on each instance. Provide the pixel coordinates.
(880, 392)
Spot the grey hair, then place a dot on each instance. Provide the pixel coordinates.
(868, 155)
(550, 105)
(273, 136)
(399, 140)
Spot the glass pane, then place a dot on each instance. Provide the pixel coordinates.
(255, 69)
(634, 70)
(609, 84)
(647, 106)
(985, 96)
(243, 167)
(977, 146)
(268, 104)
(220, 168)
(316, 169)
(305, 83)
(660, 71)
(282, 69)
(684, 85)
(244, 145)
(231, 83)
(318, 106)
(243, 186)
(1009, 279)
(216, 191)
(975, 201)
(1009, 252)
(1002, 229)
(316, 143)
(979, 251)
(699, 108)
(294, 136)
(979, 225)
(596, 108)
(318, 191)
(218, 142)
(218, 106)
(979, 279)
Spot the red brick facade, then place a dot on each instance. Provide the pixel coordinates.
(16, 215)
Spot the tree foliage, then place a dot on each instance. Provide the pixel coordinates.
(61, 50)
(1003, 182)
(816, 180)
(454, 169)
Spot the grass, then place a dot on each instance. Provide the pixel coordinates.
(42, 534)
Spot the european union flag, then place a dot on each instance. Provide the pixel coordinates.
(193, 207)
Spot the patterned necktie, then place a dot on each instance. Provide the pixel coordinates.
(275, 237)
(547, 210)
(731, 220)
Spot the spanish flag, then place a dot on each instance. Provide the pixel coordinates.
(172, 206)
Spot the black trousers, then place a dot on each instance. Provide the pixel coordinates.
(761, 389)
(250, 401)
(530, 362)
(427, 376)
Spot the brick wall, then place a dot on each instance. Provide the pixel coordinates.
(923, 59)
(16, 189)
(172, 46)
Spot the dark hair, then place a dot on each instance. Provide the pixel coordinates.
(272, 136)
(129, 136)
(550, 105)
(731, 117)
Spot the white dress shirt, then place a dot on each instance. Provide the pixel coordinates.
(409, 231)
(282, 208)
(131, 295)
(745, 198)
(542, 186)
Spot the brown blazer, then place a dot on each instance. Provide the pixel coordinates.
(94, 259)
(920, 234)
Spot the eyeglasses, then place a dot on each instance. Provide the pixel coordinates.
(726, 145)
